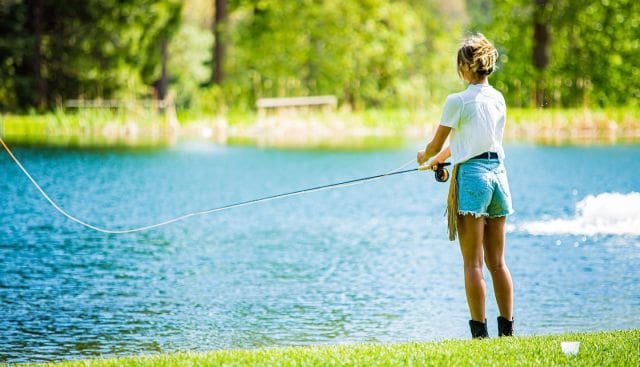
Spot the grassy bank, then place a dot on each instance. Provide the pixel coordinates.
(616, 348)
(306, 128)
(574, 126)
(137, 126)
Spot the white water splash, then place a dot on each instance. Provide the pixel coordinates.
(606, 213)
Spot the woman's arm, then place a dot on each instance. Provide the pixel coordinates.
(435, 146)
(441, 157)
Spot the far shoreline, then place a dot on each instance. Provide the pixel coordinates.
(339, 130)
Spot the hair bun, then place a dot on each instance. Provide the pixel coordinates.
(478, 54)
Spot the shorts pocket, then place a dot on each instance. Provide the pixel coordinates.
(474, 185)
(475, 192)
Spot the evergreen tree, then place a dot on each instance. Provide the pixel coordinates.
(52, 50)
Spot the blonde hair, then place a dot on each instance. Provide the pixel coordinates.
(478, 54)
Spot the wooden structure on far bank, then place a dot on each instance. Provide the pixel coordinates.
(290, 105)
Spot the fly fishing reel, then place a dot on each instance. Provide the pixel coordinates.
(441, 173)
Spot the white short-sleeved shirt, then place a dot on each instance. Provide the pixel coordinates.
(477, 116)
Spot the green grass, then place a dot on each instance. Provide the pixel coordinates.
(545, 126)
(622, 116)
(307, 128)
(574, 125)
(614, 348)
(90, 128)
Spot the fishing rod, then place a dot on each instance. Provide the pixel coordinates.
(440, 172)
(441, 175)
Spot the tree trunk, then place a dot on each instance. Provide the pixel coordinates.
(163, 82)
(541, 43)
(219, 25)
(34, 60)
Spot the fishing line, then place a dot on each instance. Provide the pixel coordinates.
(396, 171)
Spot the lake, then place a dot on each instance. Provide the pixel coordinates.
(366, 263)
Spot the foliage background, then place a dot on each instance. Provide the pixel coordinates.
(369, 53)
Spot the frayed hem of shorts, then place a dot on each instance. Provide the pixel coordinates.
(470, 212)
(502, 215)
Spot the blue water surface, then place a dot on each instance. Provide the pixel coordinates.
(367, 263)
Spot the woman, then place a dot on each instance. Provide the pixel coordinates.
(479, 197)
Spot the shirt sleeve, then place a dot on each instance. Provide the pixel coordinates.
(451, 111)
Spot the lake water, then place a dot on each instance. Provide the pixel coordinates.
(368, 263)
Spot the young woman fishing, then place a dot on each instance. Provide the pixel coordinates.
(479, 198)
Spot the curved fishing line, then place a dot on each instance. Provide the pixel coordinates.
(202, 212)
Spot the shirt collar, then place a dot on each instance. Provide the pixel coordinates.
(478, 86)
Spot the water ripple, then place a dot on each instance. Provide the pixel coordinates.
(365, 263)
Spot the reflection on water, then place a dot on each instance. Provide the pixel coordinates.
(364, 263)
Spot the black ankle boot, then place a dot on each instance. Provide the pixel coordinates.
(505, 327)
(478, 329)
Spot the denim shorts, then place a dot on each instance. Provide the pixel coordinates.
(483, 188)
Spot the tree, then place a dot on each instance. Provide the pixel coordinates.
(169, 19)
(219, 36)
(81, 48)
(34, 59)
(540, 48)
(572, 53)
(366, 52)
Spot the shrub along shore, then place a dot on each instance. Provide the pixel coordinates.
(611, 348)
(305, 128)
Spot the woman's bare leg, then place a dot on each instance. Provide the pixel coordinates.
(494, 239)
(471, 233)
